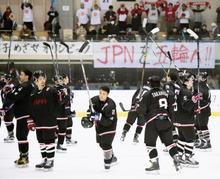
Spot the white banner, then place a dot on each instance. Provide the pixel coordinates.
(130, 55)
(33, 50)
(105, 4)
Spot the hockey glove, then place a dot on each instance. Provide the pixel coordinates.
(95, 116)
(31, 125)
(73, 113)
(197, 97)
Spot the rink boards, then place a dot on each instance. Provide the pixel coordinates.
(80, 102)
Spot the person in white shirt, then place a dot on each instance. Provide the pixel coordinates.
(153, 17)
(82, 15)
(183, 16)
(27, 15)
(96, 17)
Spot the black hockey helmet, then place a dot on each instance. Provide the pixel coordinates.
(38, 73)
(57, 77)
(173, 76)
(86, 123)
(7, 76)
(203, 76)
(154, 81)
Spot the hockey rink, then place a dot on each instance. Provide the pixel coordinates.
(85, 159)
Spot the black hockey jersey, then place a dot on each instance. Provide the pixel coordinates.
(173, 90)
(63, 100)
(155, 104)
(20, 97)
(44, 104)
(186, 107)
(136, 98)
(108, 121)
(206, 98)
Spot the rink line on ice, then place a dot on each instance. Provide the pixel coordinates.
(124, 114)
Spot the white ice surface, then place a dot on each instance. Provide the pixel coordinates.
(85, 159)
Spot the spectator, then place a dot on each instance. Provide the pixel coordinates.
(204, 32)
(92, 33)
(52, 25)
(81, 33)
(183, 16)
(122, 18)
(197, 10)
(25, 33)
(110, 19)
(215, 30)
(153, 17)
(110, 16)
(173, 34)
(52, 14)
(27, 14)
(82, 15)
(8, 20)
(170, 18)
(218, 17)
(136, 14)
(96, 17)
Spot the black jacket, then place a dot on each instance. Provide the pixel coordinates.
(108, 111)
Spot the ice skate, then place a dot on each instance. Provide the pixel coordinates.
(49, 165)
(61, 149)
(10, 138)
(135, 140)
(154, 167)
(191, 162)
(176, 162)
(70, 142)
(41, 165)
(113, 162)
(22, 161)
(123, 135)
(206, 147)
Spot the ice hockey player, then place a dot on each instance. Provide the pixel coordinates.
(133, 115)
(7, 108)
(44, 102)
(186, 104)
(104, 114)
(155, 109)
(173, 90)
(20, 97)
(203, 113)
(70, 114)
(62, 116)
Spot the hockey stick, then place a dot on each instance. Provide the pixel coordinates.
(196, 37)
(122, 107)
(152, 32)
(51, 53)
(84, 45)
(56, 56)
(68, 51)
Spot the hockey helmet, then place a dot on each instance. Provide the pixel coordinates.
(7, 76)
(203, 76)
(154, 81)
(86, 123)
(57, 78)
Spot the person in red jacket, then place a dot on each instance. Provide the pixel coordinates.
(170, 15)
(136, 14)
(122, 17)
